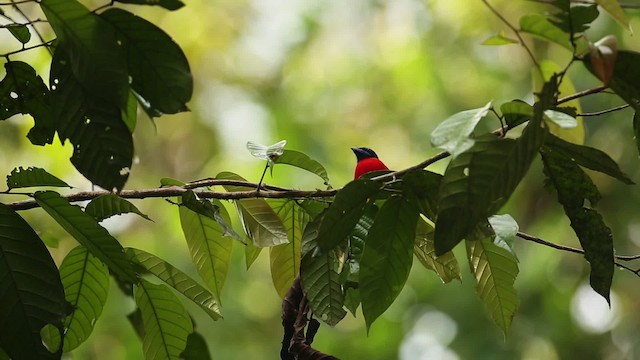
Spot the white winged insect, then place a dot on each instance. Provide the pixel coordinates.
(269, 153)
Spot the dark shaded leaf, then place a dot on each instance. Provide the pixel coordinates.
(95, 57)
(636, 129)
(424, 185)
(32, 176)
(23, 91)
(626, 76)
(86, 230)
(31, 292)
(196, 349)
(575, 19)
(166, 322)
(303, 161)
(178, 280)
(158, 68)
(574, 187)
(20, 32)
(345, 211)
(167, 4)
(108, 205)
(321, 283)
(103, 145)
(387, 257)
(588, 157)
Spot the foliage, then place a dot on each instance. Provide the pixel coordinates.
(349, 246)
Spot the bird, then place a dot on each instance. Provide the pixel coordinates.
(367, 161)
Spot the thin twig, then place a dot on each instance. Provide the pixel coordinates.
(46, 44)
(580, 94)
(606, 111)
(35, 29)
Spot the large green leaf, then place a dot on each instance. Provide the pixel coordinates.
(209, 247)
(495, 270)
(588, 157)
(31, 293)
(86, 285)
(167, 4)
(103, 145)
(615, 10)
(196, 349)
(424, 185)
(321, 283)
(166, 322)
(159, 70)
(574, 19)
(260, 222)
(453, 134)
(574, 187)
(96, 57)
(540, 26)
(303, 161)
(178, 280)
(285, 258)
(84, 228)
(446, 265)
(32, 176)
(108, 205)
(213, 209)
(478, 182)
(387, 257)
(23, 91)
(344, 213)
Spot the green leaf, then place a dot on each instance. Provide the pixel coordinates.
(86, 285)
(285, 258)
(575, 19)
(387, 257)
(424, 185)
(453, 134)
(178, 280)
(23, 91)
(344, 213)
(130, 113)
(20, 32)
(564, 121)
(167, 4)
(96, 57)
(574, 187)
(588, 157)
(478, 182)
(626, 76)
(210, 249)
(516, 112)
(108, 205)
(212, 209)
(505, 229)
(636, 129)
(103, 145)
(615, 10)
(166, 322)
(251, 253)
(499, 39)
(196, 349)
(302, 161)
(446, 265)
(258, 218)
(31, 293)
(321, 283)
(32, 176)
(159, 70)
(166, 182)
(495, 270)
(86, 230)
(540, 26)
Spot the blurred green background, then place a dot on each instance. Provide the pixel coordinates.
(327, 75)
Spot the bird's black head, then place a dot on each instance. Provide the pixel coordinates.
(364, 153)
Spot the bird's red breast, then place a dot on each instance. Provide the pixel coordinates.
(368, 165)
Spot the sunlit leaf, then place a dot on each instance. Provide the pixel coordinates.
(251, 253)
(86, 285)
(157, 66)
(302, 161)
(212, 209)
(32, 176)
(564, 121)
(105, 206)
(344, 213)
(574, 187)
(178, 280)
(499, 39)
(588, 157)
(539, 25)
(86, 230)
(615, 10)
(285, 258)
(31, 292)
(387, 257)
(210, 249)
(446, 265)
(167, 4)
(166, 322)
(258, 218)
(130, 113)
(22, 91)
(495, 270)
(505, 229)
(516, 112)
(453, 134)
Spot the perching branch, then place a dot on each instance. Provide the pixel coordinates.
(580, 94)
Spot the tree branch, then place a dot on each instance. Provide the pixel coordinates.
(606, 111)
(580, 94)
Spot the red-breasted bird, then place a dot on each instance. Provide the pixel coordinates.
(367, 162)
